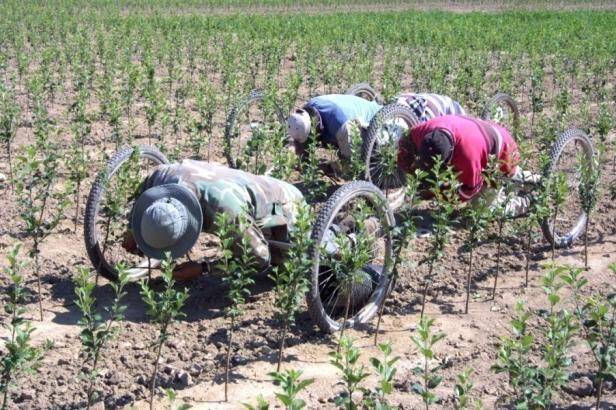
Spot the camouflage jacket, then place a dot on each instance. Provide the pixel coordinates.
(270, 202)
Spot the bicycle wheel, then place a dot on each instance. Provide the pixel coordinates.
(352, 257)
(255, 134)
(108, 210)
(566, 155)
(380, 150)
(363, 90)
(503, 110)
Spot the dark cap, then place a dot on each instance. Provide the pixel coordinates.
(437, 143)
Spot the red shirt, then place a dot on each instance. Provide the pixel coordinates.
(474, 141)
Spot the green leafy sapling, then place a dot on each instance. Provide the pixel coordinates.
(477, 214)
(9, 120)
(534, 384)
(19, 357)
(41, 196)
(443, 185)
(346, 359)
(353, 255)
(386, 371)
(430, 379)
(557, 192)
(291, 385)
(461, 390)
(163, 308)
(597, 319)
(291, 281)
(97, 331)
(311, 170)
(402, 233)
(262, 404)
(590, 174)
(239, 271)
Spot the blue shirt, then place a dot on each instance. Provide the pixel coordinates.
(337, 109)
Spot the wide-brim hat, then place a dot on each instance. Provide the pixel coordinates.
(166, 218)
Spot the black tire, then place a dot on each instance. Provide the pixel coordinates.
(505, 102)
(576, 139)
(95, 198)
(379, 151)
(363, 90)
(377, 290)
(233, 143)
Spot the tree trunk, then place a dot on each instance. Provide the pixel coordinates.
(77, 204)
(586, 242)
(528, 238)
(38, 279)
(599, 394)
(468, 280)
(554, 232)
(153, 381)
(498, 255)
(425, 289)
(229, 356)
(282, 340)
(346, 315)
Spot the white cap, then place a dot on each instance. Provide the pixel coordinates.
(298, 124)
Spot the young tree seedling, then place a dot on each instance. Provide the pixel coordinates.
(346, 359)
(430, 379)
(163, 308)
(21, 357)
(96, 332)
(238, 270)
(291, 281)
(590, 175)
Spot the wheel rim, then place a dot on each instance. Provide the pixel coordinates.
(382, 165)
(366, 287)
(570, 218)
(501, 113)
(113, 215)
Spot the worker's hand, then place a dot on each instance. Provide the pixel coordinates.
(129, 243)
(187, 271)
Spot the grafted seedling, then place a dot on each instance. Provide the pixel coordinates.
(97, 331)
(291, 280)
(443, 185)
(238, 271)
(41, 195)
(590, 174)
(163, 308)
(430, 379)
(346, 359)
(21, 357)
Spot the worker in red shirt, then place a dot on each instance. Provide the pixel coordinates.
(466, 144)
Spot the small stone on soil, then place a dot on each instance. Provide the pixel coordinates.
(580, 387)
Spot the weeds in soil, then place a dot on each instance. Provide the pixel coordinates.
(163, 308)
(590, 175)
(238, 271)
(596, 316)
(18, 357)
(291, 281)
(96, 332)
(533, 384)
(41, 196)
(346, 359)
(443, 186)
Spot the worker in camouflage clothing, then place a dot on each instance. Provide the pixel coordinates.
(181, 200)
